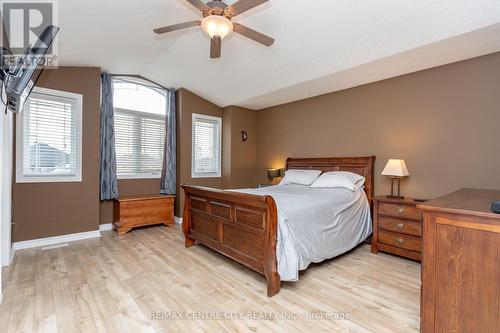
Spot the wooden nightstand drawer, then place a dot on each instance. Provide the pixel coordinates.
(400, 226)
(400, 211)
(397, 227)
(399, 240)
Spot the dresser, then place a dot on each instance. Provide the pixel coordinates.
(461, 263)
(138, 211)
(397, 227)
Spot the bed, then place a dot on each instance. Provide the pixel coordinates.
(253, 226)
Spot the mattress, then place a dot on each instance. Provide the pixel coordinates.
(315, 224)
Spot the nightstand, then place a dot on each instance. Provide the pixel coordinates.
(397, 227)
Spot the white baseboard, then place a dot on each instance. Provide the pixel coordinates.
(12, 253)
(29, 244)
(106, 227)
(11, 257)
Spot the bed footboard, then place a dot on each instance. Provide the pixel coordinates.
(241, 226)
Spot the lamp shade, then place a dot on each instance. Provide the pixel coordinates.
(395, 168)
(273, 173)
(215, 25)
(282, 172)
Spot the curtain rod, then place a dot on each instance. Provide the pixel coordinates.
(122, 77)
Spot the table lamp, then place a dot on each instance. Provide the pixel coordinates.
(273, 173)
(396, 169)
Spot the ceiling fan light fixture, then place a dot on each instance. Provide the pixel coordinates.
(215, 25)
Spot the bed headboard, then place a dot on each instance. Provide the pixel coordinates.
(363, 166)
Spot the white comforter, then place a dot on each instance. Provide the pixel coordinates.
(315, 224)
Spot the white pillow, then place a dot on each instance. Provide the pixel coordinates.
(301, 177)
(345, 179)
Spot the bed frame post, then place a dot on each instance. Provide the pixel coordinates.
(270, 260)
(186, 222)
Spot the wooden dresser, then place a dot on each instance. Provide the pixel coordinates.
(397, 225)
(461, 263)
(138, 211)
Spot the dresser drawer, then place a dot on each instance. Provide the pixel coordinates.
(399, 240)
(399, 210)
(400, 226)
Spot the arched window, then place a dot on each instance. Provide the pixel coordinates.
(140, 108)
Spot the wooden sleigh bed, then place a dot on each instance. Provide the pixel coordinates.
(243, 227)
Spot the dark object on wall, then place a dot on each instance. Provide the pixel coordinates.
(244, 136)
(495, 206)
(20, 80)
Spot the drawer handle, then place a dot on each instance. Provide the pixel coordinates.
(400, 226)
(399, 210)
(398, 240)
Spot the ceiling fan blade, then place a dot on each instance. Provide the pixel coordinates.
(215, 47)
(252, 34)
(199, 4)
(243, 5)
(177, 27)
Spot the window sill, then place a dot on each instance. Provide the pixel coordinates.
(205, 176)
(53, 179)
(138, 176)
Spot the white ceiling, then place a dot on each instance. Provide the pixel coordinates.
(321, 45)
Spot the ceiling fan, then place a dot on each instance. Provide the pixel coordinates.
(217, 23)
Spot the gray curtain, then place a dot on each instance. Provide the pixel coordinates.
(168, 173)
(109, 181)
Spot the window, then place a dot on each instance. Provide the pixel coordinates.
(49, 138)
(140, 111)
(206, 158)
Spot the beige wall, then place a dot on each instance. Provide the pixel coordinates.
(240, 158)
(52, 209)
(187, 104)
(445, 122)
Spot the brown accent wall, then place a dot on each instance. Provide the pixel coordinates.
(187, 104)
(52, 209)
(240, 158)
(445, 122)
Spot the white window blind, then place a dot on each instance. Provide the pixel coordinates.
(140, 109)
(206, 158)
(49, 137)
(139, 142)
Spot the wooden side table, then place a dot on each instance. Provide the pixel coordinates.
(137, 211)
(397, 227)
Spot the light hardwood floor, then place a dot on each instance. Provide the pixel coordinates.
(113, 284)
